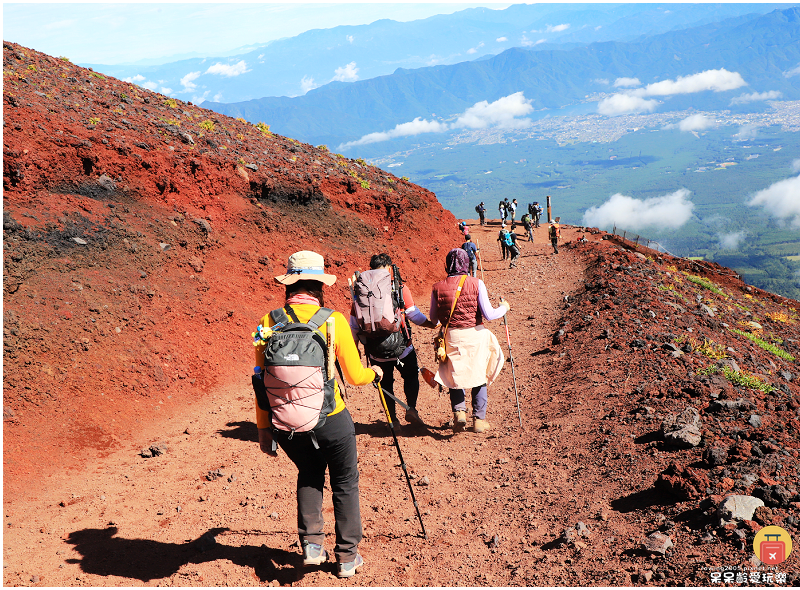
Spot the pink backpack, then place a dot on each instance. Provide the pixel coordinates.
(372, 302)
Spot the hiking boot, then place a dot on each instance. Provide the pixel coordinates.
(412, 417)
(481, 425)
(349, 569)
(313, 554)
(459, 421)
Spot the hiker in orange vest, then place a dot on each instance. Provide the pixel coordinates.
(474, 358)
(554, 232)
(330, 447)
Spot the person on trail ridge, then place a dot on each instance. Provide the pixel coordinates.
(406, 364)
(503, 211)
(513, 249)
(554, 232)
(331, 446)
(474, 357)
(481, 210)
(502, 239)
(472, 251)
(528, 225)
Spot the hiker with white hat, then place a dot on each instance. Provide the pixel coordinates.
(300, 408)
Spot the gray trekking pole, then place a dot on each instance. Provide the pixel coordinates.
(513, 373)
(397, 446)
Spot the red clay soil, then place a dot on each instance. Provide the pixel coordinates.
(134, 276)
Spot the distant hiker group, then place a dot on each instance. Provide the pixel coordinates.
(300, 404)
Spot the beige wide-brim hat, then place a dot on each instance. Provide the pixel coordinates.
(306, 266)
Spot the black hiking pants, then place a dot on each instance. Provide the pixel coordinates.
(408, 367)
(336, 453)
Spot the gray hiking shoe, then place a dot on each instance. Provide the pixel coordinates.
(349, 569)
(313, 554)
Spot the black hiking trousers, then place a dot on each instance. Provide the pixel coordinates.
(337, 454)
(408, 367)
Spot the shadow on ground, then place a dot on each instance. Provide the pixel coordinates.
(105, 554)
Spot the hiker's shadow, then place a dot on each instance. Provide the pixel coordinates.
(105, 554)
(243, 430)
(379, 429)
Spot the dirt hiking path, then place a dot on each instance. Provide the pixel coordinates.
(213, 511)
(128, 520)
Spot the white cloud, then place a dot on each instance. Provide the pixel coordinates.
(716, 80)
(307, 83)
(472, 50)
(732, 240)
(228, 70)
(556, 29)
(135, 79)
(620, 104)
(188, 81)
(603, 81)
(150, 85)
(348, 73)
(747, 132)
(756, 96)
(626, 82)
(525, 42)
(625, 102)
(671, 211)
(796, 166)
(793, 72)
(200, 98)
(415, 127)
(218, 97)
(165, 90)
(501, 39)
(501, 113)
(349, 38)
(781, 200)
(696, 122)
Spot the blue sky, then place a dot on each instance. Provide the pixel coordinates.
(126, 33)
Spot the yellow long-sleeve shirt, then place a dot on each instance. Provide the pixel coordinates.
(346, 354)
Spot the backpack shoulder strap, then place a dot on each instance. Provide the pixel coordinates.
(291, 312)
(279, 316)
(319, 318)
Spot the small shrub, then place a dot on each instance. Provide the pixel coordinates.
(208, 125)
(96, 75)
(361, 161)
(404, 178)
(62, 58)
(745, 379)
(241, 119)
(94, 120)
(171, 103)
(322, 147)
(364, 184)
(779, 316)
(263, 128)
(32, 68)
(712, 350)
(764, 344)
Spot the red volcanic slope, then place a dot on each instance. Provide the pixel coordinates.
(141, 237)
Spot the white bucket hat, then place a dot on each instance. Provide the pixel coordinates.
(306, 265)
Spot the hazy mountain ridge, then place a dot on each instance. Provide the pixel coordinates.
(291, 66)
(760, 49)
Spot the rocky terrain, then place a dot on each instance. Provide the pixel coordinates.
(141, 235)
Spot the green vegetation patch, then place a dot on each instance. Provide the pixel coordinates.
(705, 283)
(764, 344)
(740, 378)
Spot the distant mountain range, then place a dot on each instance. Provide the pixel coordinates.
(763, 49)
(293, 66)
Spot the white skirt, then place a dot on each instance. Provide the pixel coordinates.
(474, 357)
